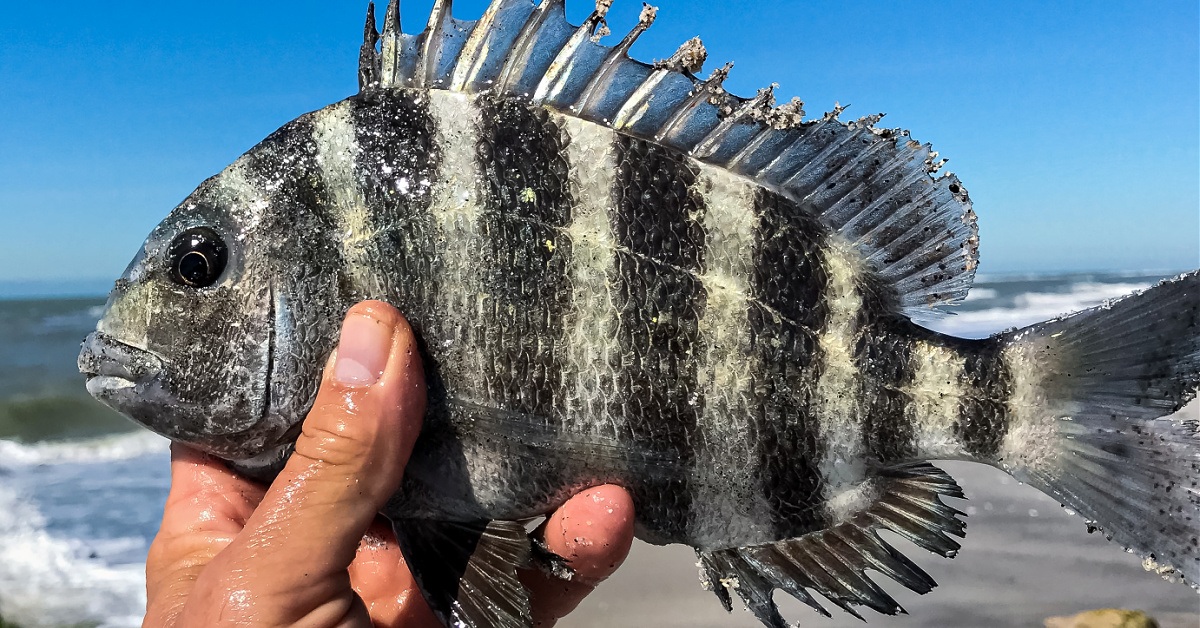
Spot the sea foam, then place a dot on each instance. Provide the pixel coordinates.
(103, 449)
(1028, 308)
(78, 562)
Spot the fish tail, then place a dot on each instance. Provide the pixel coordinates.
(1088, 399)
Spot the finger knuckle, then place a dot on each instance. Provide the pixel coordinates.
(337, 445)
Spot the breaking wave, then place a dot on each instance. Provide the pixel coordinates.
(994, 310)
(57, 415)
(75, 523)
(103, 449)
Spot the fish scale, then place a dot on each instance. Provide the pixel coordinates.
(620, 273)
(528, 206)
(659, 299)
(730, 425)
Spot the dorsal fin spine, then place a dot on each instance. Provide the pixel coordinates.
(391, 18)
(468, 59)
(743, 154)
(485, 44)
(709, 143)
(368, 57)
(762, 151)
(560, 69)
(370, 33)
(391, 46)
(701, 93)
(688, 57)
(628, 113)
(618, 53)
(431, 45)
(523, 48)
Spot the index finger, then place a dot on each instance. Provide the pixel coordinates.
(206, 495)
(207, 507)
(593, 531)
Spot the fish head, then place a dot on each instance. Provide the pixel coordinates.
(185, 346)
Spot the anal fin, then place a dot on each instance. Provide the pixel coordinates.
(833, 561)
(467, 572)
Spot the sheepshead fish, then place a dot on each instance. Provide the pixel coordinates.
(619, 272)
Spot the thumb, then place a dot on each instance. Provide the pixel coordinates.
(349, 459)
(356, 440)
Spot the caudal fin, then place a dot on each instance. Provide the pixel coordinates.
(1089, 396)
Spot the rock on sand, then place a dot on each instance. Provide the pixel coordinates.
(1104, 618)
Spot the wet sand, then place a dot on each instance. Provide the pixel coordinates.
(1016, 568)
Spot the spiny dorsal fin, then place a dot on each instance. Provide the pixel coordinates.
(368, 58)
(833, 562)
(875, 187)
(689, 58)
(602, 77)
(558, 86)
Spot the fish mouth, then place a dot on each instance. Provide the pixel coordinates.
(111, 365)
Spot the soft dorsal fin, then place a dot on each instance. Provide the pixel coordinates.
(876, 188)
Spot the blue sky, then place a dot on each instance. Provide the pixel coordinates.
(1075, 125)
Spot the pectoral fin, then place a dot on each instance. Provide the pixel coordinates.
(467, 572)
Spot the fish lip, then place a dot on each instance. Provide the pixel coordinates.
(107, 363)
(98, 385)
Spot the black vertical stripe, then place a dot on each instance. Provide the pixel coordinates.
(306, 262)
(983, 415)
(395, 163)
(884, 357)
(660, 302)
(524, 260)
(790, 281)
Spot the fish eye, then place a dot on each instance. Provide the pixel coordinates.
(197, 257)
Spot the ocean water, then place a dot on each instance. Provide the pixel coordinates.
(82, 489)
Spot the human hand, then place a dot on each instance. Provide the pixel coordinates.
(310, 549)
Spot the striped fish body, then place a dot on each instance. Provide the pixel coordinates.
(619, 273)
(596, 307)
